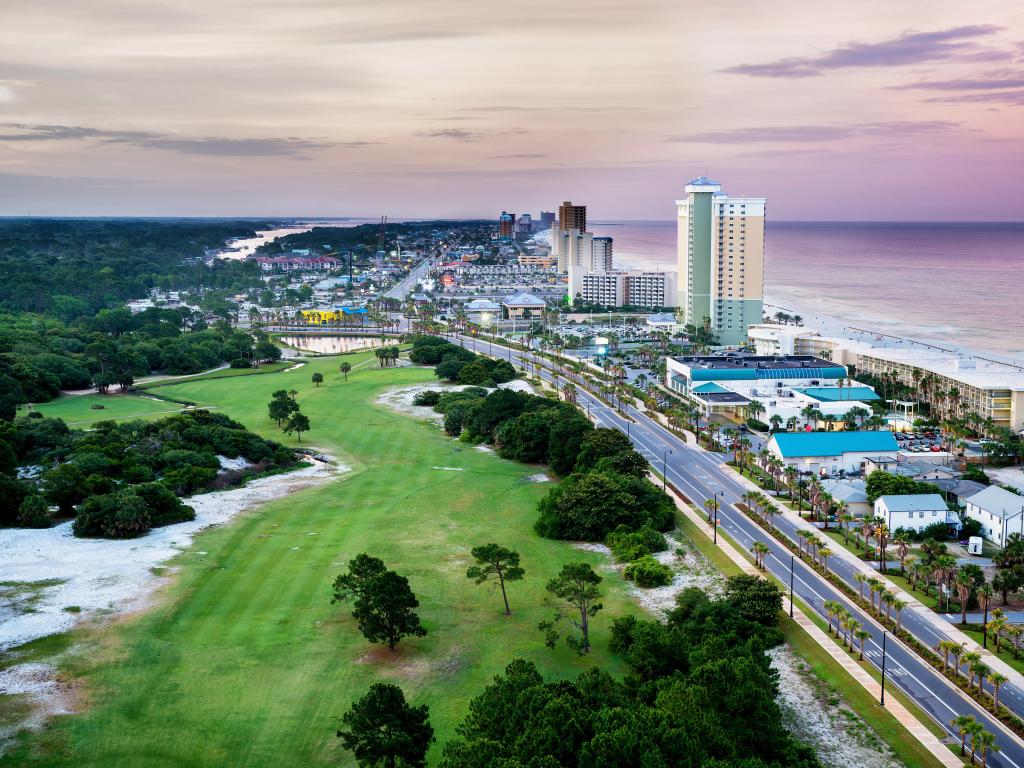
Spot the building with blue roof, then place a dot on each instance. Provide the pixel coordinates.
(829, 453)
(801, 390)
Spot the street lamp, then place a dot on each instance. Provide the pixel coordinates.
(792, 557)
(884, 633)
(664, 468)
(716, 505)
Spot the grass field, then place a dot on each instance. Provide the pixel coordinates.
(244, 661)
(78, 412)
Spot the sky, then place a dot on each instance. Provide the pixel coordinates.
(462, 108)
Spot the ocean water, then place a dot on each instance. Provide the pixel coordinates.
(955, 284)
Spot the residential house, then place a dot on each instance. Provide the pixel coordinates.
(999, 511)
(915, 511)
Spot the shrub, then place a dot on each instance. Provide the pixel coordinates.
(475, 373)
(120, 515)
(34, 512)
(241, 362)
(164, 507)
(760, 426)
(97, 406)
(628, 545)
(185, 481)
(648, 572)
(430, 397)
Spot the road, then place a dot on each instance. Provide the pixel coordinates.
(407, 283)
(701, 475)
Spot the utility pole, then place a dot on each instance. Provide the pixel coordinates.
(884, 633)
(791, 560)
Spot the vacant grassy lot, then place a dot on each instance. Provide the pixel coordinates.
(245, 662)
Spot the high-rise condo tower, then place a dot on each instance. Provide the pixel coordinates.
(721, 260)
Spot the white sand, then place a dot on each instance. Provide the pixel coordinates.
(400, 398)
(817, 715)
(99, 576)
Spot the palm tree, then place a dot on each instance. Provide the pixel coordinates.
(898, 606)
(982, 671)
(963, 725)
(902, 539)
(711, 506)
(976, 732)
(862, 635)
(861, 578)
(995, 629)
(888, 598)
(986, 742)
(876, 587)
(970, 660)
(997, 680)
(823, 554)
(963, 583)
(946, 647)
(957, 652)
(345, 368)
(852, 628)
(832, 608)
(761, 551)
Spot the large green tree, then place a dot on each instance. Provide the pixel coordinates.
(382, 729)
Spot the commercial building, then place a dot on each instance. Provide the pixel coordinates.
(547, 219)
(914, 511)
(999, 511)
(523, 306)
(482, 311)
(721, 259)
(787, 386)
(524, 225)
(544, 261)
(829, 452)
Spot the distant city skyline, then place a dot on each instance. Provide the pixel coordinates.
(835, 112)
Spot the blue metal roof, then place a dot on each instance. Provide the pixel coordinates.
(740, 374)
(799, 444)
(835, 394)
(708, 388)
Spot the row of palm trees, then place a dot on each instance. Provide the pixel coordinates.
(846, 626)
(893, 606)
(982, 742)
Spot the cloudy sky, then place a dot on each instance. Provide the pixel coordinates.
(867, 110)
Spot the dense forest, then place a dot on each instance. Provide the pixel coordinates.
(63, 285)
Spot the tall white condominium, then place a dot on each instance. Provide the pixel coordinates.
(602, 255)
(721, 260)
(575, 257)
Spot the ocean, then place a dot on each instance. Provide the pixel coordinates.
(950, 283)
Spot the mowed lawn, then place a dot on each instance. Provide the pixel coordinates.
(78, 412)
(245, 662)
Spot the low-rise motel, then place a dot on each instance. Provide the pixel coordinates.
(787, 386)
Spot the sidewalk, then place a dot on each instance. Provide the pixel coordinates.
(938, 622)
(919, 731)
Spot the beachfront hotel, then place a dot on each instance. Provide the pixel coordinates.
(721, 259)
(991, 389)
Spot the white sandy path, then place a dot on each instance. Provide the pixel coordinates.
(116, 575)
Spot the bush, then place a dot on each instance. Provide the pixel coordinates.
(164, 507)
(97, 406)
(759, 426)
(120, 515)
(241, 362)
(648, 572)
(756, 599)
(588, 506)
(475, 373)
(34, 512)
(185, 481)
(430, 398)
(628, 545)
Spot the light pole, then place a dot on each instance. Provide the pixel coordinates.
(664, 468)
(884, 633)
(792, 557)
(716, 505)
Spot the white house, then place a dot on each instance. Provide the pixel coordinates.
(915, 511)
(829, 452)
(999, 512)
